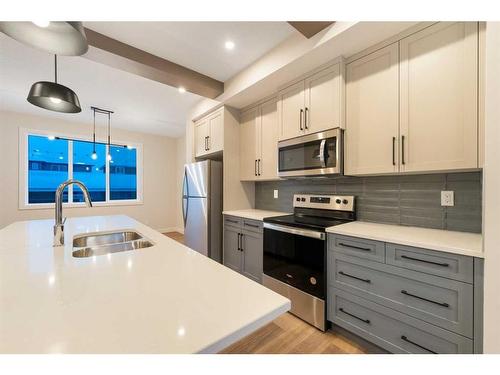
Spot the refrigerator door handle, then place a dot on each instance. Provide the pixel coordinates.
(185, 188)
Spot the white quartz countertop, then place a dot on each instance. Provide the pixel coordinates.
(163, 299)
(254, 214)
(470, 244)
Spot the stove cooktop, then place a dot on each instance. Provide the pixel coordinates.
(304, 221)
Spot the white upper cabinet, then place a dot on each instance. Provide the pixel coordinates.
(372, 113)
(248, 144)
(291, 111)
(259, 142)
(201, 133)
(438, 84)
(209, 133)
(268, 164)
(322, 100)
(311, 105)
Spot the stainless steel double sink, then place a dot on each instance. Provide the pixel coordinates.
(101, 243)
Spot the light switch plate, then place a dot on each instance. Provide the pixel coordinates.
(447, 198)
(275, 194)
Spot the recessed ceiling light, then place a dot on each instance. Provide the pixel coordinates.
(182, 90)
(42, 23)
(229, 45)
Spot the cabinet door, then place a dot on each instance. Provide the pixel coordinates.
(201, 131)
(249, 124)
(291, 111)
(439, 69)
(323, 100)
(268, 139)
(232, 256)
(253, 254)
(372, 113)
(216, 136)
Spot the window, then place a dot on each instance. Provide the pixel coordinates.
(50, 161)
(47, 168)
(122, 173)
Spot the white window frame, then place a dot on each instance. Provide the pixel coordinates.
(23, 172)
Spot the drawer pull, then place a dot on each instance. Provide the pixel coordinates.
(355, 247)
(355, 277)
(252, 225)
(404, 338)
(443, 304)
(232, 221)
(425, 261)
(367, 321)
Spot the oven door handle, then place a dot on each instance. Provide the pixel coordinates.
(298, 231)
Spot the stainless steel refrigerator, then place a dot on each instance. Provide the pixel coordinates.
(202, 207)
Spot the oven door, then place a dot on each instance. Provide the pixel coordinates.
(311, 155)
(296, 257)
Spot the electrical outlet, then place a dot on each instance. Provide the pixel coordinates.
(447, 198)
(275, 194)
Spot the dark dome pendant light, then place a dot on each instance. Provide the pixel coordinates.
(53, 96)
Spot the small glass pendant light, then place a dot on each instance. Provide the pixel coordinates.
(53, 96)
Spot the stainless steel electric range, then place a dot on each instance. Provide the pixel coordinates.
(295, 252)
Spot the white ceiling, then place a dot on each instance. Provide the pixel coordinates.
(140, 104)
(200, 45)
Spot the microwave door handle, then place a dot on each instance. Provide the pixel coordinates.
(322, 153)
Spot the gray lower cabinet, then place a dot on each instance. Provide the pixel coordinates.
(404, 299)
(232, 254)
(243, 247)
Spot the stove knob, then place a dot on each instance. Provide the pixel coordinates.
(338, 201)
(303, 199)
(345, 201)
(297, 199)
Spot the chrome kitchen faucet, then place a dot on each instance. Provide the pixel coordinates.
(59, 225)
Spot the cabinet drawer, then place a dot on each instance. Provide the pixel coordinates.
(452, 266)
(445, 303)
(252, 225)
(232, 221)
(391, 330)
(358, 247)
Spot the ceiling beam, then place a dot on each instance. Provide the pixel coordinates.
(310, 28)
(116, 54)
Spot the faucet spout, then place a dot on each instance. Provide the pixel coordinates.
(59, 224)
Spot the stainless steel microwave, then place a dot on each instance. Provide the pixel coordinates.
(316, 154)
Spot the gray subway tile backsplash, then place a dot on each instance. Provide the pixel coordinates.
(405, 200)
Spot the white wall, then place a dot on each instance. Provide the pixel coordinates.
(160, 195)
(491, 201)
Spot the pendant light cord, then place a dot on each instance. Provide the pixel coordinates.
(109, 133)
(93, 138)
(55, 68)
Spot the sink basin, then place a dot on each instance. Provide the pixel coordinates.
(88, 245)
(111, 248)
(105, 238)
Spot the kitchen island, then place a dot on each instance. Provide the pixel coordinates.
(162, 299)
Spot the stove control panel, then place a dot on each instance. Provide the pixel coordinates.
(324, 202)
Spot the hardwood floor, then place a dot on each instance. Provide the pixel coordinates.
(179, 237)
(290, 335)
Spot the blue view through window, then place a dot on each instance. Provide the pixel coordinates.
(47, 168)
(123, 173)
(92, 172)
